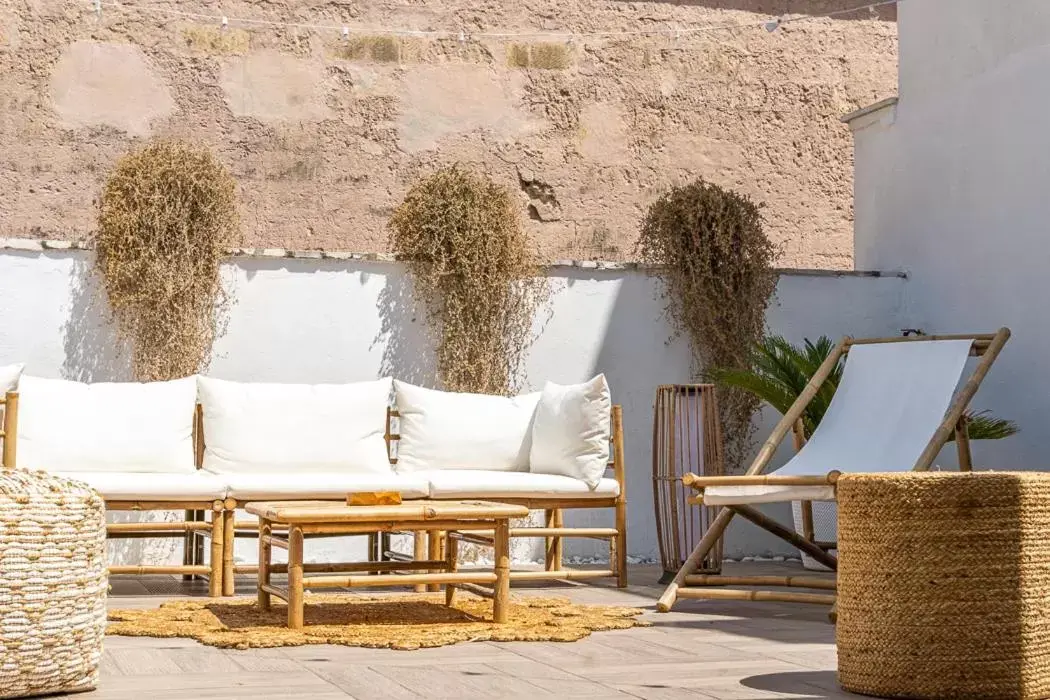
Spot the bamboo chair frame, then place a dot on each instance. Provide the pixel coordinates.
(688, 583)
(554, 531)
(193, 529)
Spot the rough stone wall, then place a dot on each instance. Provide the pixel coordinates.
(325, 135)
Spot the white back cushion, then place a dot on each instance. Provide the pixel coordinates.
(9, 375)
(286, 428)
(124, 427)
(446, 430)
(570, 436)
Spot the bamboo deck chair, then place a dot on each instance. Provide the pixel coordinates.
(893, 410)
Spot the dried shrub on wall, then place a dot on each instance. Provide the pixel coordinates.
(472, 265)
(716, 263)
(166, 218)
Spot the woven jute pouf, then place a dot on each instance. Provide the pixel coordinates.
(944, 585)
(52, 584)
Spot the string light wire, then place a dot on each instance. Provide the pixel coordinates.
(769, 25)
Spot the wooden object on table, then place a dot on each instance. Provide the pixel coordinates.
(687, 438)
(374, 498)
(457, 518)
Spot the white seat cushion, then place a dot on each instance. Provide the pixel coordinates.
(570, 435)
(743, 495)
(321, 485)
(295, 428)
(9, 375)
(448, 430)
(122, 486)
(68, 426)
(496, 484)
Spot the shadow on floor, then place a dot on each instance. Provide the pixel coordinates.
(805, 684)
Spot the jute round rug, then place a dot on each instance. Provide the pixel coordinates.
(393, 622)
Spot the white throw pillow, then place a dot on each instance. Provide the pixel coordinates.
(9, 375)
(286, 428)
(447, 430)
(118, 427)
(570, 435)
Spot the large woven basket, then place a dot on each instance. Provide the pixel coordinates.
(944, 585)
(52, 584)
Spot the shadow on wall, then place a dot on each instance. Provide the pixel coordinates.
(408, 352)
(93, 352)
(636, 351)
(886, 13)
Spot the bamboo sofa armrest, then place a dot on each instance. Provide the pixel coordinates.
(701, 482)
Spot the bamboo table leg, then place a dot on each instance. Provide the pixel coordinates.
(502, 587)
(264, 562)
(295, 577)
(434, 538)
(451, 563)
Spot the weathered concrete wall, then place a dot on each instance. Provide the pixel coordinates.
(325, 136)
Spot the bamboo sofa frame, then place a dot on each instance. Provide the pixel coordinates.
(689, 583)
(554, 531)
(222, 529)
(193, 529)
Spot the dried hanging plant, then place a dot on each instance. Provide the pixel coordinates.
(166, 218)
(716, 263)
(471, 264)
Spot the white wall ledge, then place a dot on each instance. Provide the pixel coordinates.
(35, 245)
(872, 114)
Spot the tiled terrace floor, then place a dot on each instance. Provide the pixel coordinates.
(701, 650)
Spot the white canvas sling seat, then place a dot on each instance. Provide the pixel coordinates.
(888, 404)
(895, 408)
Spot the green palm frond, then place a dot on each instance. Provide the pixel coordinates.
(984, 426)
(779, 371)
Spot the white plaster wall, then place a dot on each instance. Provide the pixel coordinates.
(325, 321)
(954, 189)
(945, 43)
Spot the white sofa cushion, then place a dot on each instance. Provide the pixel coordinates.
(447, 430)
(106, 427)
(295, 428)
(123, 486)
(496, 485)
(9, 375)
(570, 435)
(320, 485)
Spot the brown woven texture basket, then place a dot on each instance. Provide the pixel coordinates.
(944, 585)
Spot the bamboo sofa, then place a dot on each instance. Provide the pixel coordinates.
(153, 447)
(444, 446)
(898, 403)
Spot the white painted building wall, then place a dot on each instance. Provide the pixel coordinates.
(297, 320)
(953, 186)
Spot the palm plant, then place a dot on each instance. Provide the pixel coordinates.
(779, 371)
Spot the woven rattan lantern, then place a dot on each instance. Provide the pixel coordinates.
(686, 438)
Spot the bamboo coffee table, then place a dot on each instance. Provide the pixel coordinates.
(334, 518)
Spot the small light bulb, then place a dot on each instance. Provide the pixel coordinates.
(225, 23)
(346, 33)
(773, 25)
